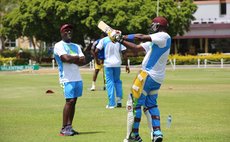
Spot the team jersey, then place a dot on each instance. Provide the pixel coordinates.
(68, 72)
(112, 52)
(100, 54)
(156, 57)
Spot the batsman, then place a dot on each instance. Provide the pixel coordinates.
(144, 91)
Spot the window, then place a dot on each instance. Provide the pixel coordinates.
(10, 43)
(223, 6)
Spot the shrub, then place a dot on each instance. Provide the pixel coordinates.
(17, 52)
(6, 61)
(189, 59)
(14, 60)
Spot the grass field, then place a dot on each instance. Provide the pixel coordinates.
(197, 99)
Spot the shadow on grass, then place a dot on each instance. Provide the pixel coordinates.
(94, 132)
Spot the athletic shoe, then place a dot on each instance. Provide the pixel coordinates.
(75, 132)
(67, 131)
(119, 104)
(133, 138)
(92, 88)
(109, 107)
(71, 128)
(157, 136)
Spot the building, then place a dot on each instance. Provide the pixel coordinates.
(210, 32)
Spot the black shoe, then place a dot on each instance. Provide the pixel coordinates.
(133, 138)
(158, 138)
(75, 132)
(119, 104)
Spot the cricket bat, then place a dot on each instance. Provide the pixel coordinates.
(104, 27)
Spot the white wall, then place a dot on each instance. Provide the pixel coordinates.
(211, 12)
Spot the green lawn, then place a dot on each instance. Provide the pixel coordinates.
(197, 99)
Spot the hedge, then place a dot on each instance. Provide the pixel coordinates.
(188, 59)
(191, 60)
(15, 61)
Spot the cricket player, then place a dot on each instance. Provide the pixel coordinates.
(144, 91)
(69, 56)
(98, 62)
(112, 68)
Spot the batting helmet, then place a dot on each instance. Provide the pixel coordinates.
(157, 23)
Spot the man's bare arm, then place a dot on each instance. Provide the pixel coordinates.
(73, 59)
(129, 41)
(138, 37)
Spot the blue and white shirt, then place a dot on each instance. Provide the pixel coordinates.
(100, 55)
(156, 57)
(68, 72)
(112, 52)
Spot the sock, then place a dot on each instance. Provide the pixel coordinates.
(93, 83)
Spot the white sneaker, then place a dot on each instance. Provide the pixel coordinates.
(67, 131)
(92, 88)
(109, 107)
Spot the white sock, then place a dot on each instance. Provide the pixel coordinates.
(93, 84)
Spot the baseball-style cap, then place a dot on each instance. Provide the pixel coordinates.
(65, 26)
(161, 20)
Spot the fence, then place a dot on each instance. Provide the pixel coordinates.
(205, 64)
(200, 64)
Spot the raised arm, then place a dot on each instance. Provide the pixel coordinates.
(129, 41)
(137, 37)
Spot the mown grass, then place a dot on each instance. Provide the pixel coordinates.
(197, 99)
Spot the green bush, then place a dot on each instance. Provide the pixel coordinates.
(6, 61)
(191, 60)
(134, 60)
(14, 60)
(9, 53)
(185, 60)
(18, 56)
(21, 62)
(17, 52)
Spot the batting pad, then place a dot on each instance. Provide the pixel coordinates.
(138, 84)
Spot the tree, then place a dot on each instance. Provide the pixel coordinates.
(41, 19)
(5, 7)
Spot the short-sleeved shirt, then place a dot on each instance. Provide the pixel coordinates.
(156, 57)
(100, 54)
(112, 52)
(68, 72)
